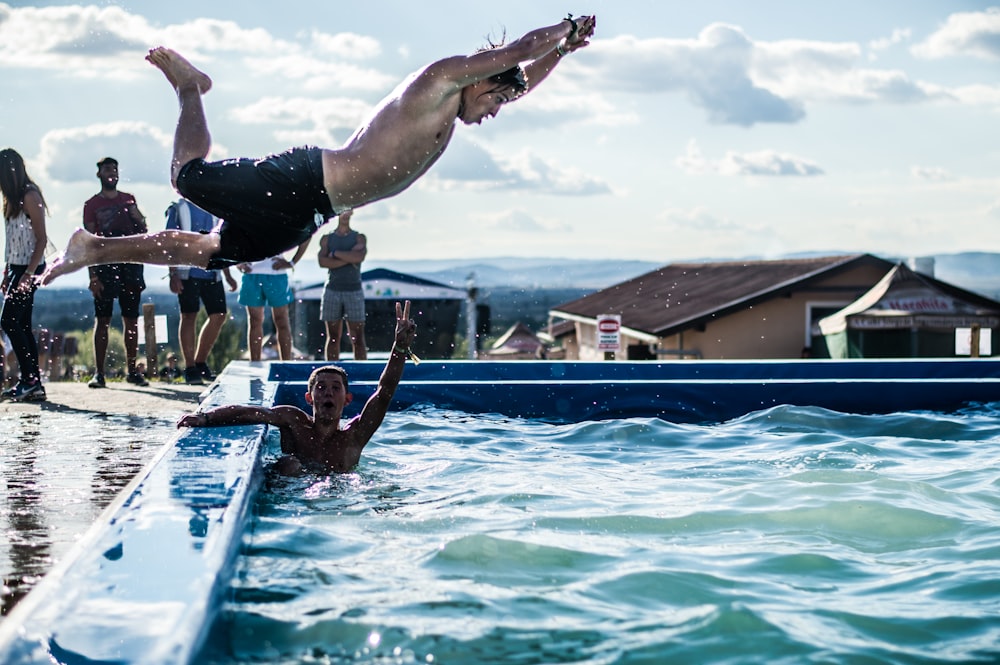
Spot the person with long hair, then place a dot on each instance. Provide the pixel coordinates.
(24, 217)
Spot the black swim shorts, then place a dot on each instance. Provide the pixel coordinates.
(195, 291)
(267, 205)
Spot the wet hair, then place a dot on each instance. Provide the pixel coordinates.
(14, 183)
(327, 369)
(512, 78)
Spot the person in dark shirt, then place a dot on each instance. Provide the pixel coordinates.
(114, 214)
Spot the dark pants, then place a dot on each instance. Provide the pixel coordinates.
(16, 322)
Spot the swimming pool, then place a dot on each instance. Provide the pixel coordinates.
(788, 534)
(794, 535)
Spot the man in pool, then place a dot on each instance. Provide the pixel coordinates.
(273, 204)
(318, 441)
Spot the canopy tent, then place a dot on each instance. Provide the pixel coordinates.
(906, 302)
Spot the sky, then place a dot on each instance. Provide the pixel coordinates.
(685, 131)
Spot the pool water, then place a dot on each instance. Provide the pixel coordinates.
(790, 535)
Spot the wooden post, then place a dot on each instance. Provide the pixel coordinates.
(43, 342)
(56, 358)
(974, 341)
(149, 326)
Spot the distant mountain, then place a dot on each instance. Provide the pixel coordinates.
(975, 271)
(524, 273)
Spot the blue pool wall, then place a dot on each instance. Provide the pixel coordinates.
(149, 578)
(678, 391)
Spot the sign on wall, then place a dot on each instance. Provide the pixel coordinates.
(609, 336)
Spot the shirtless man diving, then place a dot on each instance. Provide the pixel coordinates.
(273, 204)
(318, 441)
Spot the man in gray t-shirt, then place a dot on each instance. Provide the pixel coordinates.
(341, 253)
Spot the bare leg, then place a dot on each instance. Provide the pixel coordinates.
(191, 137)
(209, 333)
(255, 332)
(356, 331)
(333, 330)
(186, 334)
(130, 334)
(283, 330)
(101, 327)
(164, 248)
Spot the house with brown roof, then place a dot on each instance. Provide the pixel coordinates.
(720, 310)
(517, 343)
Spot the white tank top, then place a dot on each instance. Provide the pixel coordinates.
(20, 240)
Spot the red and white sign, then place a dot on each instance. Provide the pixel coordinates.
(609, 332)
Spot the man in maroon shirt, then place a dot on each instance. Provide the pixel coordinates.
(113, 214)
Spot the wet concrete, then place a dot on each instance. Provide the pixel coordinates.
(64, 460)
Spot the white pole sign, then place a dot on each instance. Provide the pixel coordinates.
(609, 332)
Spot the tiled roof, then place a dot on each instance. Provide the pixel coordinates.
(682, 295)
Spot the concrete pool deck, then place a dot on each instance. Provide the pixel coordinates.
(142, 584)
(152, 406)
(165, 400)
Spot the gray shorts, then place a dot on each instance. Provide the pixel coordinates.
(337, 305)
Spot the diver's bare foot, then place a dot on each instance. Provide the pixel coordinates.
(73, 258)
(181, 73)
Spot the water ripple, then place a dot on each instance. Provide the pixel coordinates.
(790, 535)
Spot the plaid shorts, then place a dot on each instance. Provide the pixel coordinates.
(337, 305)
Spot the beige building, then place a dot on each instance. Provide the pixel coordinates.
(724, 310)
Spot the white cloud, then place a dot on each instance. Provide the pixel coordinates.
(760, 163)
(554, 107)
(698, 217)
(329, 113)
(346, 45)
(303, 120)
(714, 70)
(110, 42)
(898, 36)
(965, 33)
(520, 221)
(740, 81)
(206, 36)
(471, 166)
(319, 75)
(931, 174)
(994, 210)
(71, 155)
(83, 40)
(978, 95)
(829, 72)
(527, 170)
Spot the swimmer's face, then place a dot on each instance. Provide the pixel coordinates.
(328, 393)
(483, 100)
